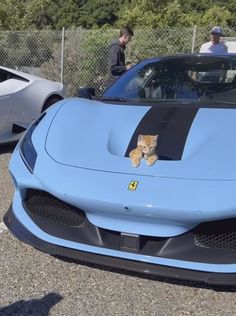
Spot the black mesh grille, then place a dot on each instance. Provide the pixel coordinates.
(218, 235)
(227, 241)
(44, 205)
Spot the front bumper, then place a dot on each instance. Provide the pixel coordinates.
(228, 279)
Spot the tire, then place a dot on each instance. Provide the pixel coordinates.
(50, 101)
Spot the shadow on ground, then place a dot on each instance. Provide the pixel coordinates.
(34, 307)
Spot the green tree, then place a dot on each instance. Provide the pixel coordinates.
(99, 12)
(11, 14)
(171, 14)
(217, 16)
(55, 14)
(25, 14)
(200, 7)
(37, 14)
(146, 14)
(66, 13)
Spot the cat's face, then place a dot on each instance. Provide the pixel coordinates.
(147, 143)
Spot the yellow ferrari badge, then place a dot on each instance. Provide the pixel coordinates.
(133, 185)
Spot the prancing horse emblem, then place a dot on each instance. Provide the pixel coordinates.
(133, 185)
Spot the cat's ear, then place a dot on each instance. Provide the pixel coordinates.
(156, 137)
(140, 138)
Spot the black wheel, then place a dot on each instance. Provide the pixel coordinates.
(50, 101)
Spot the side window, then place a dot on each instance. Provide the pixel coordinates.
(3, 75)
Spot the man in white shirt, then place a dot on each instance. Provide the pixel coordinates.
(215, 46)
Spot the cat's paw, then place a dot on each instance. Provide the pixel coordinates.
(151, 160)
(135, 163)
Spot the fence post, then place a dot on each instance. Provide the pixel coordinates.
(194, 38)
(62, 52)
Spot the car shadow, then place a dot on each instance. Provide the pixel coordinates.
(8, 148)
(179, 282)
(36, 307)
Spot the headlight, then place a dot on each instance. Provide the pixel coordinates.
(27, 150)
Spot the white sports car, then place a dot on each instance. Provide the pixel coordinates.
(22, 98)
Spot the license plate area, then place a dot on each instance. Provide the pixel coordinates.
(129, 242)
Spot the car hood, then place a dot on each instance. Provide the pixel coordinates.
(194, 143)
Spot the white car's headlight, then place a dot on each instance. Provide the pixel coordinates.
(27, 150)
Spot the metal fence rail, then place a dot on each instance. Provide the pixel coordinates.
(79, 57)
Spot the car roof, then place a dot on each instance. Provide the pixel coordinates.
(183, 56)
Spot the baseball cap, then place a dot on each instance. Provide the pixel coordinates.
(217, 30)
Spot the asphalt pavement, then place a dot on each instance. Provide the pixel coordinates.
(37, 284)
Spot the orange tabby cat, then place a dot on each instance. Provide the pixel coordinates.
(146, 148)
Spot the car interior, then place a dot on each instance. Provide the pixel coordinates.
(172, 82)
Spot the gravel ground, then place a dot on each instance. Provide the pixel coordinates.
(34, 283)
(6, 187)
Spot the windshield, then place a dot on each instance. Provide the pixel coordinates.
(175, 79)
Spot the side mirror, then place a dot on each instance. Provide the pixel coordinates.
(86, 93)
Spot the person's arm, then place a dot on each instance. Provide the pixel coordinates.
(115, 68)
(202, 49)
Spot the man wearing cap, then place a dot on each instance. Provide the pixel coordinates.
(215, 46)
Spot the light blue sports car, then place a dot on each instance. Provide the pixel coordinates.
(79, 195)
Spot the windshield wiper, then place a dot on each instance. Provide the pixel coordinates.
(168, 100)
(114, 99)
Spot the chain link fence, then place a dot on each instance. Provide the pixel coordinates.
(79, 57)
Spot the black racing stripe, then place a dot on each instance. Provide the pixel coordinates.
(172, 124)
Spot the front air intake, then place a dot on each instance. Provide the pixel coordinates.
(216, 235)
(43, 205)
